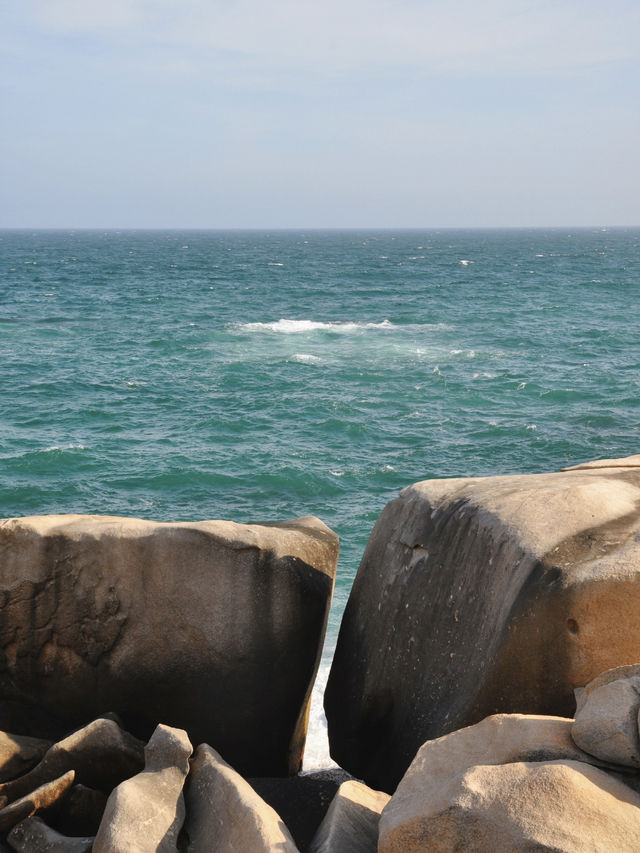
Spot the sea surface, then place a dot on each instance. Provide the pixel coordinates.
(262, 375)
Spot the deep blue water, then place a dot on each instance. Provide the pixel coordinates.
(262, 376)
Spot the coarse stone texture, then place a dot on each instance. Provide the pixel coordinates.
(483, 595)
(225, 814)
(606, 723)
(145, 814)
(351, 824)
(555, 806)
(101, 754)
(211, 626)
(34, 836)
(19, 753)
(41, 799)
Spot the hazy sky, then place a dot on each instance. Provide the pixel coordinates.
(340, 113)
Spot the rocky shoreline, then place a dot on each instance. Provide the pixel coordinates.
(484, 696)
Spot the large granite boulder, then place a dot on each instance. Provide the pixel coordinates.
(511, 782)
(484, 595)
(212, 626)
(553, 806)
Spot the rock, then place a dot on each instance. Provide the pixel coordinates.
(101, 754)
(19, 753)
(483, 595)
(81, 811)
(606, 723)
(555, 806)
(145, 814)
(209, 626)
(34, 836)
(42, 798)
(224, 813)
(301, 801)
(351, 824)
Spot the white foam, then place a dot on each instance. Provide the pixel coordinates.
(316, 753)
(465, 263)
(305, 358)
(297, 327)
(58, 447)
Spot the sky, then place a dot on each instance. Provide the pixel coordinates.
(332, 114)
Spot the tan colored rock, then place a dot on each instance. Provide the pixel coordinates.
(19, 753)
(144, 814)
(606, 723)
(34, 836)
(556, 806)
(211, 626)
(42, 798)
(101, 754)
(351, 823)
(225, 814)
(483, 595)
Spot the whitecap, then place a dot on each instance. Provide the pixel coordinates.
(275, 264)
(337, 473)
(305, 358)
(58, 447)
(296, 327)
(465, 263)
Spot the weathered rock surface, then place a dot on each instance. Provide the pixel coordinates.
(212, 626)
(19, 753)
(101, 754)
(483, 595)
(606, 723)
(145, 814)
(351, 824)
(41, 799)
(225, 814)
(556, 806)
(34, 836)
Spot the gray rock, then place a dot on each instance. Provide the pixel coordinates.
(145, 814)
(225, 814)
(210, 626)
(351, 824)
(484, 595)
(34, 836)
(41, 799)
(19, 753)
(606, 723)
(101, 754)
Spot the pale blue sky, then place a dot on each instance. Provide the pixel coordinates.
(200, 113)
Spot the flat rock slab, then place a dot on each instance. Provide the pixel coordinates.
(225, 814)
(483, 595)
(209, 626)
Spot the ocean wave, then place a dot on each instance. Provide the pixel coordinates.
(305, 358)
(296, 327)
(61, 448)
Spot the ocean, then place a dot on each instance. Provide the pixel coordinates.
(260, 376)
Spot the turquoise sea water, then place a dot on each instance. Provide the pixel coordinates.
(262, 376)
